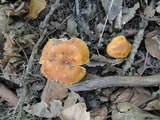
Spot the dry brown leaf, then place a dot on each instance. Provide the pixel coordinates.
(158, 7)
(8, 95)
(107, 92)
(75, 112)
(35, 7)
(72, 99)
(43, 110)
(99, 114)
(149, 12)
(12, 60)
(152, 43)
(139, 98)
(130, 14)
(72, 27)
(90, 76)
(153, 105)
(113, 69)
(128, 111)
(112, 8)
(115, 94)
(9, 50)
(52, 91)
(9, 45)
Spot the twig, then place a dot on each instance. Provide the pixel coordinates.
(137, 40)
(103, 82)
(47, 18)
(100, 39)
(77, 7)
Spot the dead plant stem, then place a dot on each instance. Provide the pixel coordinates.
(100, 39)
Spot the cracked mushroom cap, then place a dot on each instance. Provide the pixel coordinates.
(119, 47)
(61, 60)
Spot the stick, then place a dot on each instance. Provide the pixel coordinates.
(137, 40)
(112, 81)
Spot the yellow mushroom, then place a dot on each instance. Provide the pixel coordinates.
(61, 60)
(119, 47)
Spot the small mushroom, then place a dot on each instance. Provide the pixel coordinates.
(119, 47)
(61, 60)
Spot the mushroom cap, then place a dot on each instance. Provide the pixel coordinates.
(119, 47)
(61, 59)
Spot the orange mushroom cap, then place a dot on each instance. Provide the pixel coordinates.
(119, 47)
(61, 59)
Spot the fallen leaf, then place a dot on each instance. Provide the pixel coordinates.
(128, 111)
(153, 105)
(115, 94)
(158, 7)
(112, 8)
(75, 112)
(149, 12)
(35, 7)
(8, 95)
(4, 20)
(36, 86)
(43, 110)
(155, 95)
(128, 16)
(72, 99)
(52, 91)
(90, 76)
(99, 114)
(107, 92)
(118, 21)
(12, 60)
(139, 98)
(152, 43)
(90, 10)
(72, 27)
(113, 69)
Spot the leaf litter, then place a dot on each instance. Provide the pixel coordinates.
(103, 93)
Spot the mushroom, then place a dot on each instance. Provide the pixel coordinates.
(61, 60)
(119, 47)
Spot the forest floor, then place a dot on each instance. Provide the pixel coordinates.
(112, 89)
